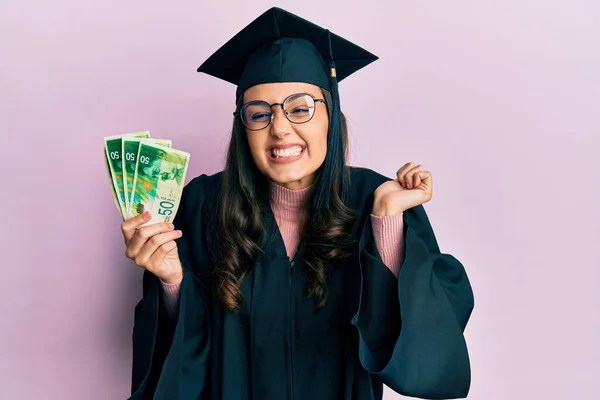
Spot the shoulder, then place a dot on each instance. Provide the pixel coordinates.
(366, 178)
(195, 211)
(200, 193)
(202, 187)
(363, 182)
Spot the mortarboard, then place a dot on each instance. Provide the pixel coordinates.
(279, 46)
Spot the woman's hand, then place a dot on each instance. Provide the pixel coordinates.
(413, 186)
(153, 247)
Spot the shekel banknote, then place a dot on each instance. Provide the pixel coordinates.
(158, 181)
(130, 150)
(113, 147)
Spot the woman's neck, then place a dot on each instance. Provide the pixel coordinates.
(287, 199)
(287, 205)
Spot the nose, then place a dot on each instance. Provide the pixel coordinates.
(280, 125)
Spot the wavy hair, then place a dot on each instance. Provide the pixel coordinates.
(243, 203)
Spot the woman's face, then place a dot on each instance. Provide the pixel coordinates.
(288, 153)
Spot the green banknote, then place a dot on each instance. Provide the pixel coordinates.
(158, 182)
(130, 150)
(113, 146)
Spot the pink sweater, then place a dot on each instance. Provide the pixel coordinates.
(287, 204)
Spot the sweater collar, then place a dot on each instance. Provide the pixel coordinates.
(287, 199)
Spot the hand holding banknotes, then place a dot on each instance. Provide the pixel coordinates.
(146, 178)
(153, 247)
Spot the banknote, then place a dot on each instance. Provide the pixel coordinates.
(131, 146)
(111, 183)
(113, 146)
(158, 182)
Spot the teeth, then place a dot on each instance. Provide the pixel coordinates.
(289, 152)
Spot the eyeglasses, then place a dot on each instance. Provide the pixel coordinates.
(298, 108)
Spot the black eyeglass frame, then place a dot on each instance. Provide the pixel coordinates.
(237, 114)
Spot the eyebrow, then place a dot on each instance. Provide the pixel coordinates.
(292, 95)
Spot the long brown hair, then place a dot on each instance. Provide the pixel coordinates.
(243, 202)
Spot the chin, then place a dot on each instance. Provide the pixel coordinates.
(291, 178)
(285, 177)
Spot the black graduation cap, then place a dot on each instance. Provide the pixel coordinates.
(279, 46)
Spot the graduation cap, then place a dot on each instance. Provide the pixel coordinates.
(279, 46)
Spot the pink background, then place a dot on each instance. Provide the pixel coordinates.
(500, 100)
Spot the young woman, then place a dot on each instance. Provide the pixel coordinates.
(290, 275)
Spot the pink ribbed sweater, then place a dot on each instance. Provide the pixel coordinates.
(287, 206)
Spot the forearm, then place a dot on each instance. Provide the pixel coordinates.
(388, 233)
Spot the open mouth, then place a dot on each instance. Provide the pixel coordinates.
(290, 152)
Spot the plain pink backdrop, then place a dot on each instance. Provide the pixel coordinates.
(500, 100)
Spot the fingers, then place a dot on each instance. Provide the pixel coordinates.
(156, 248)
(425, 180)
(412, 176)
(142, 235)
(129, 227)
(416, 181)
(403, 170)
(406, 175)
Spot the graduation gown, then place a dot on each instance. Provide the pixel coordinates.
(375, 329)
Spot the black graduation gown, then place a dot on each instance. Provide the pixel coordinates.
(406, 333)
